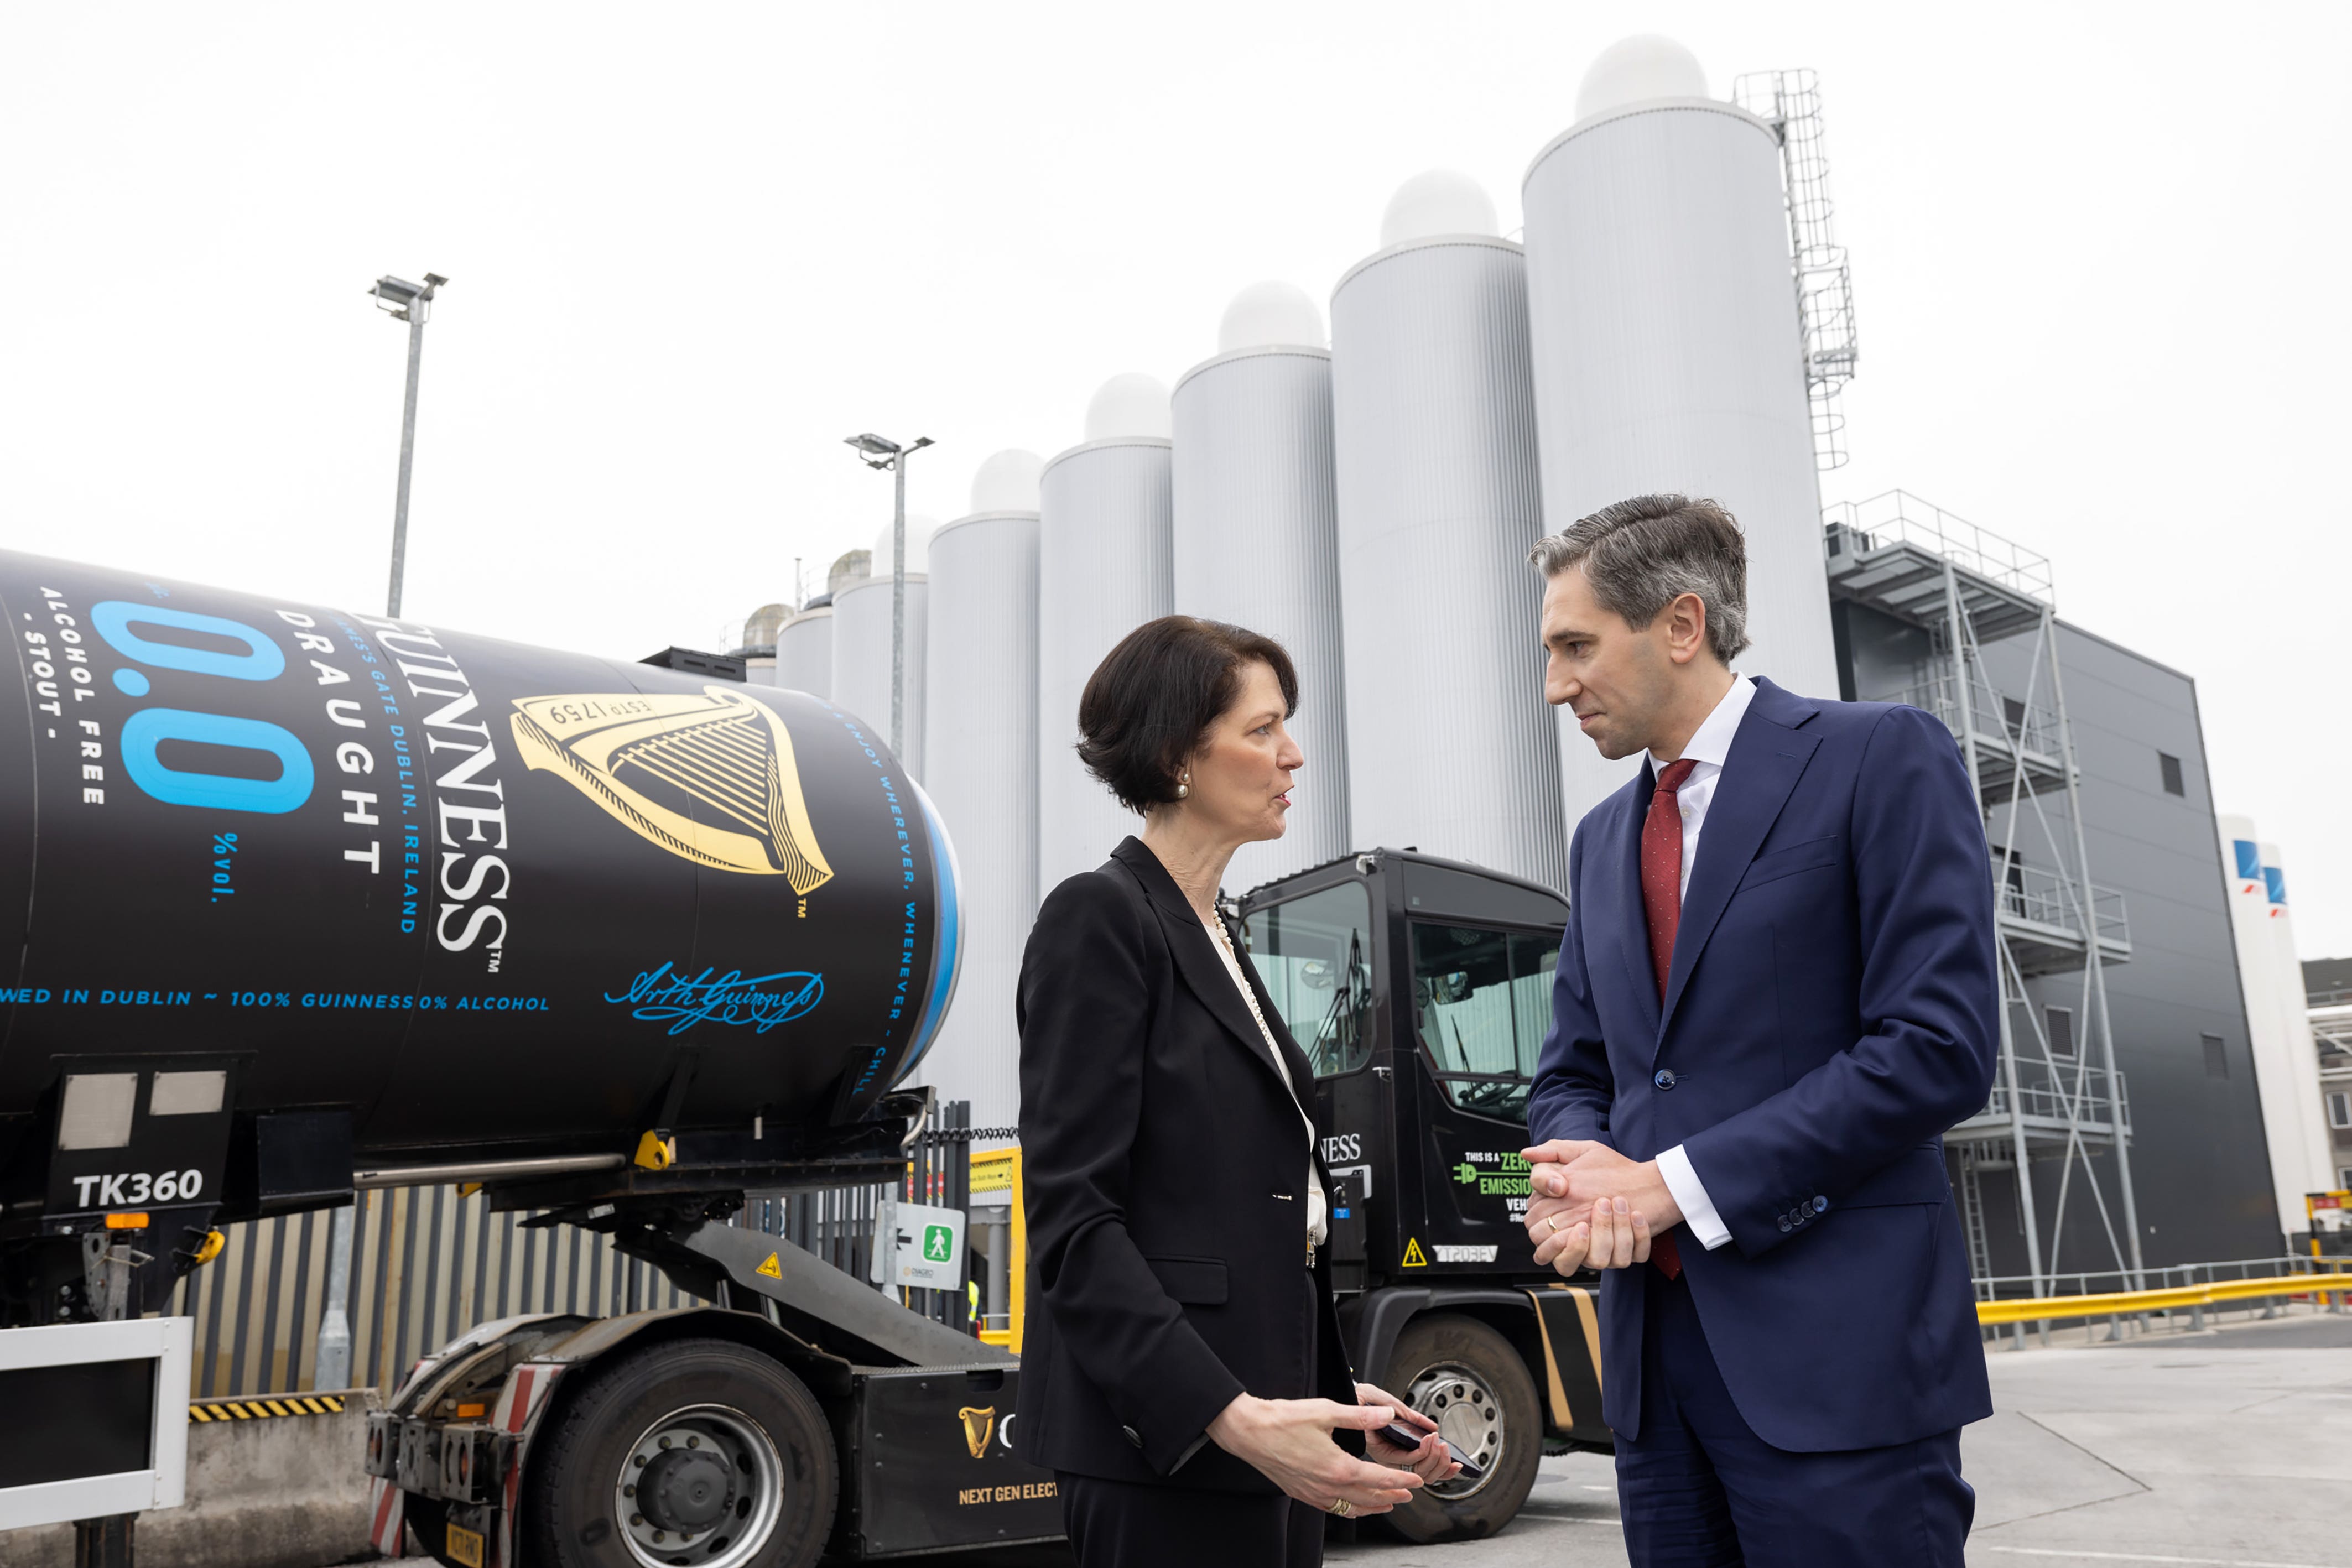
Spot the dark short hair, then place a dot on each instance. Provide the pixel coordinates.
(1643, 554)
(1149, 703)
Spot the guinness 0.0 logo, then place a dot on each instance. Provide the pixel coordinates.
(650, 760)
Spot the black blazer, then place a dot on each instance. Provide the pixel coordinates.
(1164, 1176)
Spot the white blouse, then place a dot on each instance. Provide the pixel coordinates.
(1318, 1205)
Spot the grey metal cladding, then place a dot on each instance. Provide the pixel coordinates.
(1450, 744)
(1103, 569)
(804, 654)
(1255, 544)
(1667, 356)
(2200, 1166)
(861, 659)
(980, 761)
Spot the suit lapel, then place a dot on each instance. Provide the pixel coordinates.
(1768, 756)
(1198, 963)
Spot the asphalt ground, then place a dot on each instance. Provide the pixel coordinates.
(2229, 1448)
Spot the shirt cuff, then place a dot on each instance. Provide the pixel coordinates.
(1690, 1195)
(1199, 1443)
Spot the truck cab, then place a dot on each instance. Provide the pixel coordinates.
(1420, 989)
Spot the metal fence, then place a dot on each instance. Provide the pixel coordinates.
(428, 1263)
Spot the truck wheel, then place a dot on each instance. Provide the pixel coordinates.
(1467, 1378)
(695, 1452)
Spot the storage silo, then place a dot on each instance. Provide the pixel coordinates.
(1661, 315)
(1433, 445)
(1255, 539)
(804, 649)
(2288, 996)
(861, 644)
(1102, 570)
(2271, 1043)
(979, 769)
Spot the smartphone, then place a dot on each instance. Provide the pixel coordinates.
(1404, 1437)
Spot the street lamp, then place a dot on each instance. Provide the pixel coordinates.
(877, 453)
(409, 302)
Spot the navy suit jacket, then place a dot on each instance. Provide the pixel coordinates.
(1831, 1009)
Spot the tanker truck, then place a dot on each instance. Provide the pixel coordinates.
(298, 900)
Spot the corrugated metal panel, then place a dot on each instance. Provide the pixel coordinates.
(1450, 744)
(861, 659)
(980, 758)
(1103, 569)
(427, 1266)
(804, 654)
(1255, 544)
(1663, 319)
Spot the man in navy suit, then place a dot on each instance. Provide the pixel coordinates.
(1776, 991)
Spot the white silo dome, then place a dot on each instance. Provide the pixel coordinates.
(1438, 202)
(1268, 314)
(1007, 482)
(918, 541)
(1129, 404)
(1638, 69)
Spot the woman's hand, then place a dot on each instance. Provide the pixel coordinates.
(1289, 1442)
(1610, 1234)
(1432, 1461)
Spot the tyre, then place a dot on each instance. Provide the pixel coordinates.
(694, 1452)
(1466, 1377)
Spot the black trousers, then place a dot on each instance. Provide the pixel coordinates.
(1122, 1524)
(1131, 1524)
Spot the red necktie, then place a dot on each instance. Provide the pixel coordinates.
(1661, 907)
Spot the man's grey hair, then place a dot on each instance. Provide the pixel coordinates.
(1643, 554)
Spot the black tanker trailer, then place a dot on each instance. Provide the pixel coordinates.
(296, 900)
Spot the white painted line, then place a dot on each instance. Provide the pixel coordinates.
(2143, 1557)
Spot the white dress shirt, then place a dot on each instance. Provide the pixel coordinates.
(1710, 748)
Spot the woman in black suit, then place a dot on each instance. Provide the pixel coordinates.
(1183, 1372)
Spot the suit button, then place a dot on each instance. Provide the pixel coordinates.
(1132, 1435)
(1821, 1206)
(1785, 1226)
(1664, 1078)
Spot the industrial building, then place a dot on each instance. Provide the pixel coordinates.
(1369, 496)
(2327, 993)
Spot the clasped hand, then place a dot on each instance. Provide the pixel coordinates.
(1589, 1206)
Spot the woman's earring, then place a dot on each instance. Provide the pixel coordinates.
(1184, 785)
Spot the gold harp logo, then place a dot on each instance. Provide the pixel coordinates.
(710, 778)
(977, 1426)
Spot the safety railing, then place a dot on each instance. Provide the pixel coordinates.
(1898, 517)
(2045, 898)
(2052, 1095)
(2024, 726)
(2180, 1294)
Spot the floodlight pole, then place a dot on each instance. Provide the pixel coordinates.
(413, 302)
(407, 455)
(898, 610)
(877, 453)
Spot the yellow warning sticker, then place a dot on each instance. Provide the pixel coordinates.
(771, 1268)
(462, 1546)
(1412, 1258)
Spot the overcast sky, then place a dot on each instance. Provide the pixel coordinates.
(2098, 257)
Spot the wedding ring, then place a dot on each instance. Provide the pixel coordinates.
(1343, 1508)
(1553, 1221)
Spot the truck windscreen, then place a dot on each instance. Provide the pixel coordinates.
(1481, 1002)
(1314, 952)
